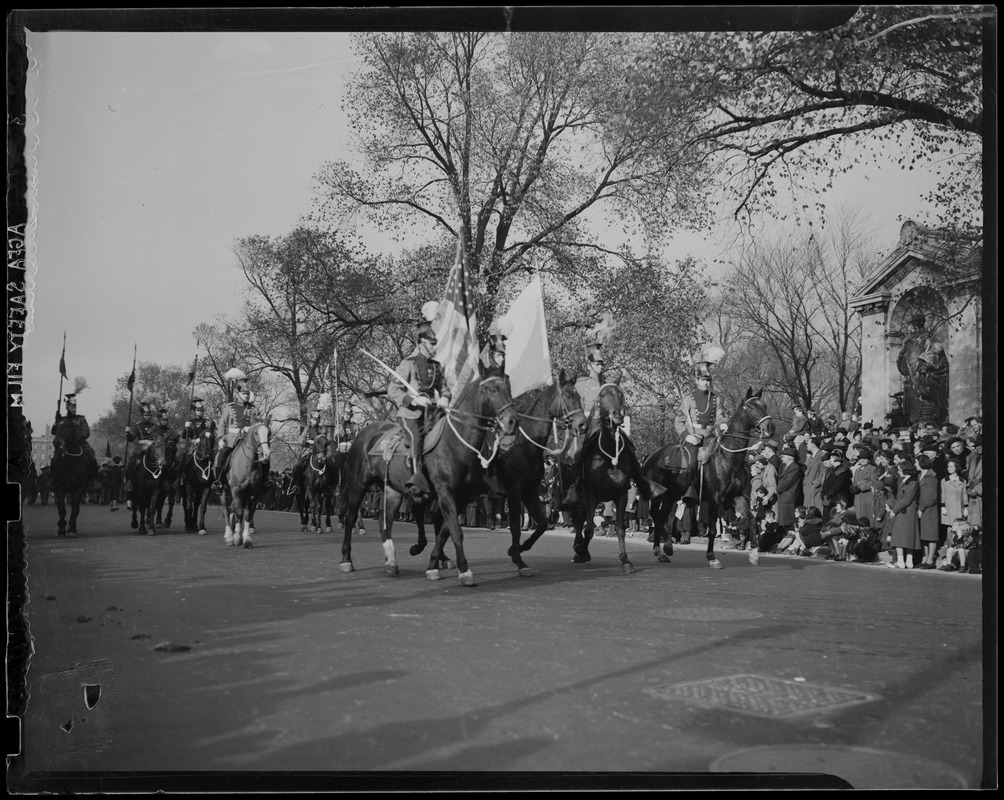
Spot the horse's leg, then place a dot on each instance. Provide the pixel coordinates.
(170, 506)
(713, 561)
(451, 526)
(437, 555)
(620, 514)
(249, 508)
(75, 500)
(201, 504)
(515, 515)
(536, 511)
(392, 502)
(228, 516)
(59, 496)
(352, 499)
(580, 548)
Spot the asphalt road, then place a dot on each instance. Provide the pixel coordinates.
(221, 668)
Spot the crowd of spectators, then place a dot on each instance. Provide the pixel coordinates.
(848, 491)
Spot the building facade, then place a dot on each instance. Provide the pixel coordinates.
(921, 326)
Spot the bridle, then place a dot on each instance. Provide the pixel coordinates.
(606, 420)
(748, 434)
(495, 422)
(565, 413)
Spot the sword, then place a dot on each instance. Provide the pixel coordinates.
(394, 374)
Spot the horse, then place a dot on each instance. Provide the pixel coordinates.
(519, 469)
(603, 478)
(171, 476)
(70, 476)
(147, 486)
(197, 482)
(453, 463)
(320, 479)
(244, 483)
(723, 475)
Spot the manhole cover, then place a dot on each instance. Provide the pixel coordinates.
(765, 697)
(706, 614)
(858, 766)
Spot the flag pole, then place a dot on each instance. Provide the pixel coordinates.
(131, 383)
(191, 375)
(333, 378)
(62, 374)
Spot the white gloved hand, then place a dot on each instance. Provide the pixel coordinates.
(692, 439)
(128, 429)
(422, 401)
(188, 424)
(207, 434)
(443, 402)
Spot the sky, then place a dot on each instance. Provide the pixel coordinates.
(149, 154)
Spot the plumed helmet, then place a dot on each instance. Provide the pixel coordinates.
(425, 323)
(235, 374)
(323, 402)
(705, 357)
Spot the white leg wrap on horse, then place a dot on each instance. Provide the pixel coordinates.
(388, 551)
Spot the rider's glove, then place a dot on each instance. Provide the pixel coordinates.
(188, 424)
(128, 429)
(443, 402)
(692, 439)
(421, 401)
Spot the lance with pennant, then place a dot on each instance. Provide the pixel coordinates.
(130, 383)
(62, 375)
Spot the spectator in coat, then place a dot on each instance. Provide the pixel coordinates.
(928, 511)
(961, 541)
(906, 521)
(954, 497)
(956, 451)
(768, 480)
(800, 422)
(974, 484)
(812, 479)
(836, 481)
(864, 480)
(789, 488)
(885, 494)
(974, 427)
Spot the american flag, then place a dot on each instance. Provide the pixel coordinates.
(455, 326)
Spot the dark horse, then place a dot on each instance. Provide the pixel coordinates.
(605, 476)
(519, 469)
(197, 482)
(724, 473)
(453, 463)
(244, 478)
(320, 479)
(171, 477)
(148, 484)
(70, 475)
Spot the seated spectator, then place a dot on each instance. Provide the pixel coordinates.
(738, 529)
(866, 545)
(770, 533)
(809, 534)
(962, 541)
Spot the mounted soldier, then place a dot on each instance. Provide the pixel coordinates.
(347, 429)
(236, 416)
(145, 431)
(493, 353)
(195, 427)
(421, 373)
(76, 423)
(589, 387)
(700, 416)
(314, 429)
(164, 428)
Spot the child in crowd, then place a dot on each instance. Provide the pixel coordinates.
(866, 544)
(962, 541)
(738, 530)
(809, 531)
(770, 532)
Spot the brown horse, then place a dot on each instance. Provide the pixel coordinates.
(148, 484)
(320, 480)
(245, 475)
(519, 469)
(723, 476)
(605, 475)
(453, 462)
(197, 482)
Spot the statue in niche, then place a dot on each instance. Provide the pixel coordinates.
(924, 366)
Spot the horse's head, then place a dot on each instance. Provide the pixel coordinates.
(155, 453)
(205, 445)
(612, 405)
(753, 414)
(495, 400)
(64, 435)
(567, 406)
(320, 444)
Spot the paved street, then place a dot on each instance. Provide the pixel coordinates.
(203, 658)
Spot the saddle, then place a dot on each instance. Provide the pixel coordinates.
(677, 458)
(387, 445)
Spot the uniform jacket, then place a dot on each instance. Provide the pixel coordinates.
(77, 423)
(700, 414)
(235, 417)
(425, 374)
(199, 425)
(310, 433)
(143, 431)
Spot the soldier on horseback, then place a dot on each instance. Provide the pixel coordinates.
(347, 430)
(78, 424)
(236, 416)
(589, 388)
(699, 417)
(314, 429)
(195, 427)
(422, 373)
(146, 431)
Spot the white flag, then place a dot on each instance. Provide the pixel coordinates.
(527, 354)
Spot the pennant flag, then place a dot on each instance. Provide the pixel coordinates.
(528, 355)
(191, 379)
(108, 449)
(62, 358)
(132, 379)
(455, 326)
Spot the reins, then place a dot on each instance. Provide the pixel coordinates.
(451, 412)
(567, 424)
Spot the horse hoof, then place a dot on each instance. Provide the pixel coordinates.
(433, 575)
(248, 544)
(628, 568)
(134, 524)
(362, 531)
(202, 532)
(667, 548)
(392, 570)
(151, 532)
(663, 559)
(346, 566)
(71, 534)
(467, 579)
(714, 563)
(415, 549)
(525, 572)
(327, 529)
(581, 558)
(60, 533)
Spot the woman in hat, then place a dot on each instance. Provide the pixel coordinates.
(864, 482)
(905, 537)
(974, 483)
(836, 481)
(954, 497)
(928, 510)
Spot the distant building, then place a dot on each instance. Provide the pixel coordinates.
(921, 331)
(41, 450)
